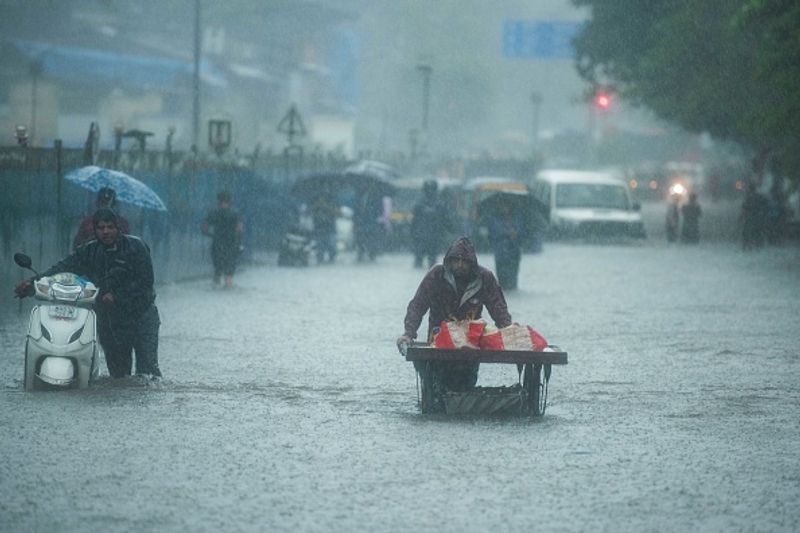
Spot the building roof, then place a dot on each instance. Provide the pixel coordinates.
(89, 65)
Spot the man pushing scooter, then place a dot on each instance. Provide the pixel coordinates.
(127, 318)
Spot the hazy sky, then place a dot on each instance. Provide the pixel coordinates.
(478, 95)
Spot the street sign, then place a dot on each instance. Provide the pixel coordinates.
(534, 39)
(292, 125)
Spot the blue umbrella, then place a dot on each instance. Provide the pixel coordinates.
(129, 190)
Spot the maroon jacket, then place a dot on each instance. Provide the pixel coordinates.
(438, 294)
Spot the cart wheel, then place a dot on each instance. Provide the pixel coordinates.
(534, 382)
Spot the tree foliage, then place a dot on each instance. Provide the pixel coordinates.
(727, 67)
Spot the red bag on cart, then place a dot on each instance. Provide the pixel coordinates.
(514, 337)
(491, 339)
(459, 334)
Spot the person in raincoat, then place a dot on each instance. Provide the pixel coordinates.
(691, 213)
(507, 232)
(429, 225)
(225, 228)
(127, 317)
(324, 212)
(367, 216)
(673, 221)
(457, 289)
(754, 214)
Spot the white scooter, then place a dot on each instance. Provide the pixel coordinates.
(61, 349)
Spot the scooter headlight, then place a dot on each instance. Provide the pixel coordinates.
(57, 371)
(89, 293)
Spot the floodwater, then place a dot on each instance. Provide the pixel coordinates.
(286, 407)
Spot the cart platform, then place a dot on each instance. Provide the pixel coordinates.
(427, 353)
(527, 397)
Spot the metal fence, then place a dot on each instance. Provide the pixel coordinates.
(40, 211)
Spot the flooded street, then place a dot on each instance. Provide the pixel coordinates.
(286, 407)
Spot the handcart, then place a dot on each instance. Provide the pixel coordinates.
(528, 396)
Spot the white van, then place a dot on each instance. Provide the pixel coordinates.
(580, 203)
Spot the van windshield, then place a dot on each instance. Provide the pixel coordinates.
(601, 196)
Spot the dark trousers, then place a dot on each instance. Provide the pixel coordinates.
(423, 249)
(507, 267)
(326, 243)
(120, 339)
(224, 256)
(454, 377)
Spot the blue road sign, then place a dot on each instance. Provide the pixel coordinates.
(532, 39)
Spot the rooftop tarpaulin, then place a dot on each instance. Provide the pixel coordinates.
(74, 64)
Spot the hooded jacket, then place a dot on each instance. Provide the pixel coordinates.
(439, 294)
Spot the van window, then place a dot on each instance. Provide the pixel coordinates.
(591, 195)
(541, 192)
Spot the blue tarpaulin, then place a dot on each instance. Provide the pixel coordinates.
(74, 64)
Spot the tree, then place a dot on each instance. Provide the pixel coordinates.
(727, 67)
(776, 26)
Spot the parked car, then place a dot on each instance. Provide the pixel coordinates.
(587, 204)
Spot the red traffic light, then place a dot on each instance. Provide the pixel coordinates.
(602, 100)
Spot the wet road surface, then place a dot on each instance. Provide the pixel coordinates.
(285, 407)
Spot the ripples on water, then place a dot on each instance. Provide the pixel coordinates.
(285, 407)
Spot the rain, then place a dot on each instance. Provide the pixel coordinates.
(295, 170)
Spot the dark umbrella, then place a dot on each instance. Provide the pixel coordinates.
(309, 187)
(532, 213)
(518, 201)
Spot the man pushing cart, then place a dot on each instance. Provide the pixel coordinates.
(457, 291)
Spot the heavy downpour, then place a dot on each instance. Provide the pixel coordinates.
(353, 265)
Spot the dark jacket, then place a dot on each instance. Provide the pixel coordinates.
(438, 294)
(430, 223)
(324, 212)
(225, 222)
(125, 270)
(507, 234)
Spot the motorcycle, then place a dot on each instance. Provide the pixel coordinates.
(296, 247)
(61, 349)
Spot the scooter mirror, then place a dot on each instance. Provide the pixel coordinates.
(23, 260)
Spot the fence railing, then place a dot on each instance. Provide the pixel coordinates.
(40, 211)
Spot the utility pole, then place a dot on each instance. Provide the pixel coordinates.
(536, 100)
(36, 70)
(426, 93)
(196, 79)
